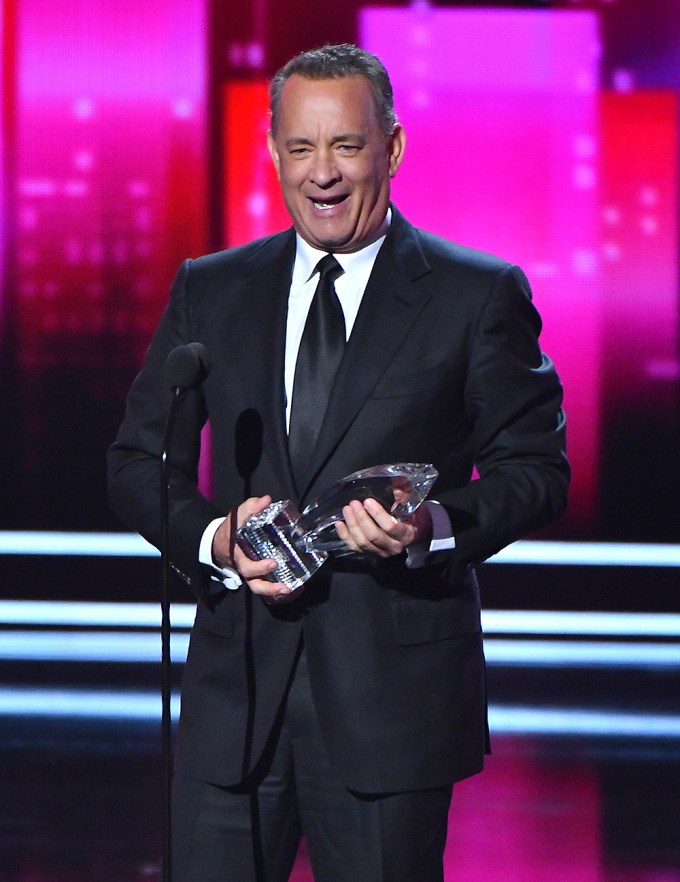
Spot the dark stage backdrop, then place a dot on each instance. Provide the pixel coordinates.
(133, 135)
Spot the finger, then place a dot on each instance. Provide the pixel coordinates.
(250, 569)
(393, 535)
(368, 535)
(344, 534)
(283, 597)
(402, 531)
(251, 506)
(357, 524)
(386, 521)
(254, 574)
(273, 592)
(270, 592)
(264, 587)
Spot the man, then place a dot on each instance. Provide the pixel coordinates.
(347, 709)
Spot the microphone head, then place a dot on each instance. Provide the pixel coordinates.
(187, 366)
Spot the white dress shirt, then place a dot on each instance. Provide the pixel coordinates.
(349, 287)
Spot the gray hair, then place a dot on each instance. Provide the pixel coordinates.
(334, 62)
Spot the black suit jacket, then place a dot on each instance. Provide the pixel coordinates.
(442, 366)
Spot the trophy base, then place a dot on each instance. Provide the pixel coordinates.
(274, 533)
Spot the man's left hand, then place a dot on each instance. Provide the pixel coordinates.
(370, 529)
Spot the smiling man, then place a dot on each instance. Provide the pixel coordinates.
(346, 710)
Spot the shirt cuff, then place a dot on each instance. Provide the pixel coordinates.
(442, 538)
(228, 576)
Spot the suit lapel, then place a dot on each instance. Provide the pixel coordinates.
(389, 307)
(259, 329)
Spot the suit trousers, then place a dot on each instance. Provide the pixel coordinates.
(251, 833)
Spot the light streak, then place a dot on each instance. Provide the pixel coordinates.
(621, 554)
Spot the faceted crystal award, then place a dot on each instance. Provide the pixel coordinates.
(273, 533)
(300, 543)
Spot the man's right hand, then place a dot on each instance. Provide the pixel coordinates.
(226, 553)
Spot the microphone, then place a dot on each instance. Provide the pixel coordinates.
(187, 366)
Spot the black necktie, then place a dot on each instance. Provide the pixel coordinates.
(321, 348)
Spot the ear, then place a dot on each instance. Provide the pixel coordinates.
(397, 145)
(274, 153)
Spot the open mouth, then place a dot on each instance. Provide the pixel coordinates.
(328, 202)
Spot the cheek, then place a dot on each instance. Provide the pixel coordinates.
(288, 173)
(372, 179)
(292, 180)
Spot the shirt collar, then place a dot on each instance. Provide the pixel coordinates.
(306, 257)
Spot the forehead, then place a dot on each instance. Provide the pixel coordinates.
(344, 101)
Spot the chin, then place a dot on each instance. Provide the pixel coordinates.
(330, 243)
(330, 236)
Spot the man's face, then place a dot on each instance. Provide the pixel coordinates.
(333, 162)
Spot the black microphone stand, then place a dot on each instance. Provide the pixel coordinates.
(185, 368)
(166, 674)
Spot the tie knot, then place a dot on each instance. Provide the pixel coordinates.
(329, 268)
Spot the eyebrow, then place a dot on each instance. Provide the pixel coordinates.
(349, 136)
(294, 142)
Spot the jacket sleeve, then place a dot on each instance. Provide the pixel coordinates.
(134, 458)
(513, 398)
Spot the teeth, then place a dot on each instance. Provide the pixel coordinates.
(324, 206)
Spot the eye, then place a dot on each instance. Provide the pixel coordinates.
(348, 149)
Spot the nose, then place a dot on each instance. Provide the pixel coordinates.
(324, 171)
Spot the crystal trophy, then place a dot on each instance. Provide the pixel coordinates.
(300, 543)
